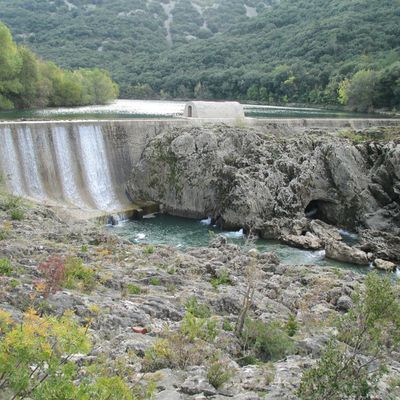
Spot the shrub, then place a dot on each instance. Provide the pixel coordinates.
(291, 326)
(352, 364)
(196, 309)
(175, 351)
(158, 356)
(199, 328)
(5, 230)
(53, 270)
(154, 281)
(222, 279)
(267, 341)
(35, 360)
(218, 374)
(10, 202)
(354, 137)
(17, 214)
(6, 267)
(149, 249)
(133, 289)
(77, 275)
(227, 326)
(3, 234)
(69, 273)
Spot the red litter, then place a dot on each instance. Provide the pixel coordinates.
(137, 329)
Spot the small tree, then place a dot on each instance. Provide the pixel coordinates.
(361, 91)
(353, 362)
(252, 277)
(36, 361)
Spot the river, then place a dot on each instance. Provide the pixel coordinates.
(125, 109)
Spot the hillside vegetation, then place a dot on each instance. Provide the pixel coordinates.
(336, 52)
(26, 81)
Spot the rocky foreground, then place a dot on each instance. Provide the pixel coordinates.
(141, 301)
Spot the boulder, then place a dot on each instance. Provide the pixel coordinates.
(342, 252)
(384, 265)
(344, 303)
(324, 231)
(308, 241)
(197, 383)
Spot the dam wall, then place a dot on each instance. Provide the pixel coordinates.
(83, 164)
(87, 164)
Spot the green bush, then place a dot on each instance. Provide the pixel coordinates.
(222, 279)
(133, 289)
(10, 202)
(353, 136)
(174, 351)
(266, 341)
(3, 234)
(35, 361)
(199, 328)
(366, 335)
(154, 281)
(17, 214)
(227, 326)
(218, 374)
(78, 276)
(150, 249)
(196, 309)
(6, 267)
(291, 326)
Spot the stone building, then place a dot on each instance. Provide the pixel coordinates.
(210, 109)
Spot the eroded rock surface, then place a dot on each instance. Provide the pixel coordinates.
(249, 178)
(342, 252)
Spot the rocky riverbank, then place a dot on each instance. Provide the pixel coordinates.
(164, 320)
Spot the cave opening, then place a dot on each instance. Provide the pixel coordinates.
(319, 209)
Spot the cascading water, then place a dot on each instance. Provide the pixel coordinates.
(68, 163)
(96, 168)
(29, 161)
(10, 164)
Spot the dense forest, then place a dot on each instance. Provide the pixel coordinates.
(27, 82)
(274, 51)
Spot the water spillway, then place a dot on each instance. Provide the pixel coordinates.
(82, 165)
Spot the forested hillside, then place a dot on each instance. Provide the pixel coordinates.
(309, 51)
(26, 81)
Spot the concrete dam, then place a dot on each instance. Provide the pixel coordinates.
(86, 165)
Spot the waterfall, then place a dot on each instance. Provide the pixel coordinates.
(96, 168)
(10, 164)
(67, 167)
(71, 163)
(29, 161)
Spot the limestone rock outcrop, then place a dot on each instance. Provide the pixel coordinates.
(252, 179)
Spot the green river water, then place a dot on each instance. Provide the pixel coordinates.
(183, 233)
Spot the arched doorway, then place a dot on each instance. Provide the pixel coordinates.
(190, 111)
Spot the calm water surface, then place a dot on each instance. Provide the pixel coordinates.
(124, 109)
(183, 233)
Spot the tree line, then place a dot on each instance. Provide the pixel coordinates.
(26, 81)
